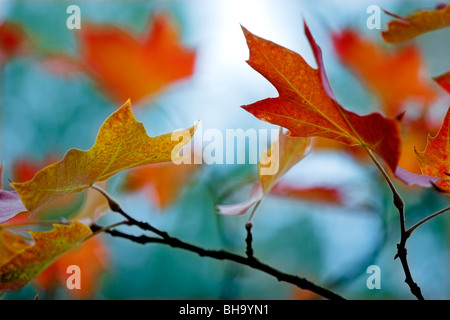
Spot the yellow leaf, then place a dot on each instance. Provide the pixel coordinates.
(416, 24)
(282, 156)
(29, 262)
(122, 143)
(10, 244)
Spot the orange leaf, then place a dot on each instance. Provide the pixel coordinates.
(91, 256)
(435, 159)
(374, 65)
(444, 81)
(306, 105)
(130, 67)
(416, 24)
(122, 143)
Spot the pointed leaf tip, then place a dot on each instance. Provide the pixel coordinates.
(306, 104)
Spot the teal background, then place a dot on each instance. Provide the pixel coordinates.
(45, 114)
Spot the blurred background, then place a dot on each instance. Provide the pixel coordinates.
(59, 85)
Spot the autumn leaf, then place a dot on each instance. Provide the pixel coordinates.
(404, 29)
(282, 155)
(444, 81)
(122, 143)
(10, 244)
(127, 66)
(395, 77)
(162, 182)
(435, 159)
(29, 262)
(24, 169)
(286, 152)
(93, 259)
(306, 104)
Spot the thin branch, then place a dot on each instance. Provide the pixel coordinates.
(418, 224)
(96, 230)
(220, 255)
(401, 247)
(225, 255)
(114, 206)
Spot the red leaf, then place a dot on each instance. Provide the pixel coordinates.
(307, 107)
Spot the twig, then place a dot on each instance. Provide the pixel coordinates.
(248, 228)
(248, 240)
(401, 246)
(225, 255)
(418, 224)
(220, 255)
(96, 229)
(114, 206)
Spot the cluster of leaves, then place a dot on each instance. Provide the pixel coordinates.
(125, 66)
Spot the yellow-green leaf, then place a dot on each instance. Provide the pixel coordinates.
(416, 24)
(122, 143)
(31, 260)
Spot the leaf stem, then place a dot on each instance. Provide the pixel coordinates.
(431, 216)
(401, 246)
(114, 206)
(104, 229)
